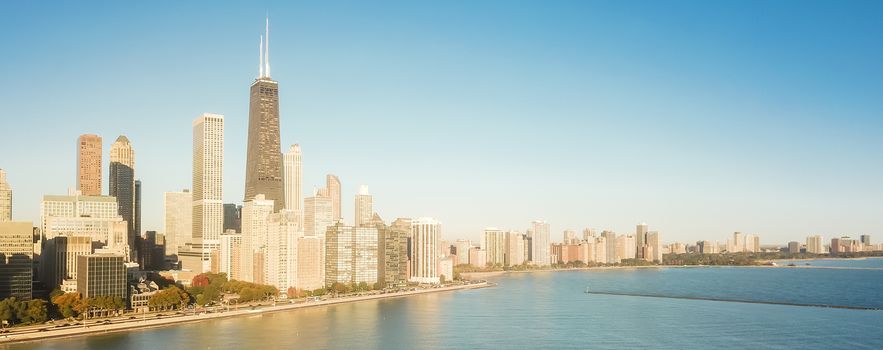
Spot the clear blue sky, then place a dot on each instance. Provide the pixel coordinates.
(699, 117)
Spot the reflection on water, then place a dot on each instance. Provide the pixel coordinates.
(551, 310)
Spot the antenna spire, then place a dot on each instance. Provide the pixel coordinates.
(261, 56)
(267, 48)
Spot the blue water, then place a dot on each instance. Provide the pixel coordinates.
(551, 310)
(864, 263)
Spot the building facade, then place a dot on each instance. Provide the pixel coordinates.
(332, 184)
(425, 250)
(101, 275)
(5, 198)
(317, 215)
(263, 166)
(364, 207)
(208, 186)
(178, 219)
(16, 259)
(89, 164)
(541, 243)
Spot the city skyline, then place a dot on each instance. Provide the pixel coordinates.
(747, 190)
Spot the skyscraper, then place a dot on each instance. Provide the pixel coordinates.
(5, 198)
(294, 181)
(640, 240)
(232, 217)
(263, 166)
(317, 216)
(814, 245)
(178, 219)
(364, 210)
(541, 242)
(137, 209)
(16, 259)
(493, 242)
(89, 164)
(121, 179)
(425, 237)
(101, 275)
(208, 185)
(254, 237)
(332, 185)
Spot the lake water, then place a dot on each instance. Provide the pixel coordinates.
(551, 310)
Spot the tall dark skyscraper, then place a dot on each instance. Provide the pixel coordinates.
(232, 217)
(263, 166)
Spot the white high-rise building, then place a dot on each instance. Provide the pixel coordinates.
(208, 185)
(292, 182)
(541, 242)
(5, 198)
(310, 263)
(425, 250)
(318, 215)
(364, 210)
(281, 250)
(600, 248)
(515, 249)
(178, 219)
(90, 216)
(332, 186)
(814, 245)
(254, 238)
(654, 242)
(493, 242)
(230, 253)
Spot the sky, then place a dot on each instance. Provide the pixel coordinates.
(700, 118)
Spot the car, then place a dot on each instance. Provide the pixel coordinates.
(133, 318)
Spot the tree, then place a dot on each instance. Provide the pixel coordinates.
(363, 286)
(70, 304)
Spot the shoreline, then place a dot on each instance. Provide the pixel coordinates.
(761, 264)
(147, 323)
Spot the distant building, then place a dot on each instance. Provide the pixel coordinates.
(92, 216)
(232, 217)
(121, 180)
(178, 219)
(654, 243)
(59, 260)
(318, 215)
(610, 241)
(477, 257)
(152, 251)
(425, 237)
(339, 255)
(310, 263)
(814, 245)
(208, 186)
(351, 255)
(364, 207)
(101, 275)
(541, 242)
(230, 254)
(332, 185)
(866, 240)
(446, 269)
(16, 259)
(461, 249)
(515, 245)
(254, 237)
(640, 240)
(392, 251)
(293, 179)
(280, 261)
(89, 164)
(5, 198)
(793, 247)
(493, 242)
